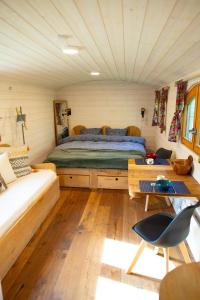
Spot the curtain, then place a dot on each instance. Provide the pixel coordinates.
(156, 107)
(163, 109)
(177, 118)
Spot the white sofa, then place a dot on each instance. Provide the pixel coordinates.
(23, 207)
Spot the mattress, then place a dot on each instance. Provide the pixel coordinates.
(20, 195)
(99, 152)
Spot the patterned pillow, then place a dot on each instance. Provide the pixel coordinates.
(3, 185)
(116, 131)
(95, 131)
(18, 158)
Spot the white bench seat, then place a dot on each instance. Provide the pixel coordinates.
(20, 195)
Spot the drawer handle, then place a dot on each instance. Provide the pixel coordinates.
(116, 179)
(70, 177)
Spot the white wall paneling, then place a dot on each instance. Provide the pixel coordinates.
(161, 140)
(114, 103)
(37, 104)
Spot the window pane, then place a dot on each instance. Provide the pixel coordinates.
(189, 118)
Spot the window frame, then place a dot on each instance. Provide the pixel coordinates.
(192, 145)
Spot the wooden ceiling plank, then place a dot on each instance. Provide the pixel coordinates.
(14, 35)
(71, 14)
(112, 17)
(181, 18)
(13, 69)
(156, 16)
(18, 13)
(134, 13)
(187, 40)
(25, 55)
(185, 64)
(52, 17)
(90, 13)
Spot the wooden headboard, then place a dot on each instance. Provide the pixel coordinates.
(132, 130)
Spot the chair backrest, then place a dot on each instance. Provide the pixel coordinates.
(178, 229)
(164, 153)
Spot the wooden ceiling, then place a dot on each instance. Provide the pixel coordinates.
(148, 41)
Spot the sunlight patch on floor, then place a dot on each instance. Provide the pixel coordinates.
(108, 289)
(120, 254)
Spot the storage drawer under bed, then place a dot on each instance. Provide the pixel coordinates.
(73, 180)
(112, 182)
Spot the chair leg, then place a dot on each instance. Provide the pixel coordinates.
(146, 203)
(166, 255)
(167, 201)
(137, 256)
(184, 252)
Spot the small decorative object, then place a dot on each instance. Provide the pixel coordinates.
(183, 166)
(150, 161)
(21, 120)
(162, 184)
(161, 177)
(3, 185)
(151, 155)
(142, 112)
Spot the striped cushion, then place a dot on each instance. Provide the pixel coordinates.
(19, 160)
(3, 185)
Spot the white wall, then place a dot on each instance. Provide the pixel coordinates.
(181, 152)
(162, 139)
(114, 103)
(37, 104)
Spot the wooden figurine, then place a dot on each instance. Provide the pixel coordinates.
(183, 166)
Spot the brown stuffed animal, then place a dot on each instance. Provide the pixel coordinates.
(183, 166)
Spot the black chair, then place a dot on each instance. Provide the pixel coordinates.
(163, 231)
(163, 153)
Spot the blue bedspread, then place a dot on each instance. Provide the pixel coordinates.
(104, 142)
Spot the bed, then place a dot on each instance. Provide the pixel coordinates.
(97, 160)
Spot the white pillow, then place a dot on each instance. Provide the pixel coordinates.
(6, 169)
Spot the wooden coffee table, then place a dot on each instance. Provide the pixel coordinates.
(150, 172)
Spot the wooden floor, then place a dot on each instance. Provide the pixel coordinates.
(82, 250)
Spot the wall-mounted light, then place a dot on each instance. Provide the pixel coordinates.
(143, 111)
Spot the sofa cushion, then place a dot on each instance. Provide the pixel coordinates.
(3, 185)
(6, 169)
(18, 157)
(20, 195)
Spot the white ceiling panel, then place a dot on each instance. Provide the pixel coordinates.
(148, 41)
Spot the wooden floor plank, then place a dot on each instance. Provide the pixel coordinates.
(64, 260)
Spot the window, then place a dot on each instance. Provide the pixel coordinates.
(191, 120)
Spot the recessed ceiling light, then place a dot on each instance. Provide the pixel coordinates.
(94, 73)
(70, 50)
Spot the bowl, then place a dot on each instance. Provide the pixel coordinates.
(163, 185)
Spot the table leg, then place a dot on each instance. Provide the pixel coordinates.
(167, 201)
(1, 294)
(146, 203)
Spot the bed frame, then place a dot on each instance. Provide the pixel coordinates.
(17, 237)
(96, 178)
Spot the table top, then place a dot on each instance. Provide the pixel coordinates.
(181, 283)
(150, 172)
